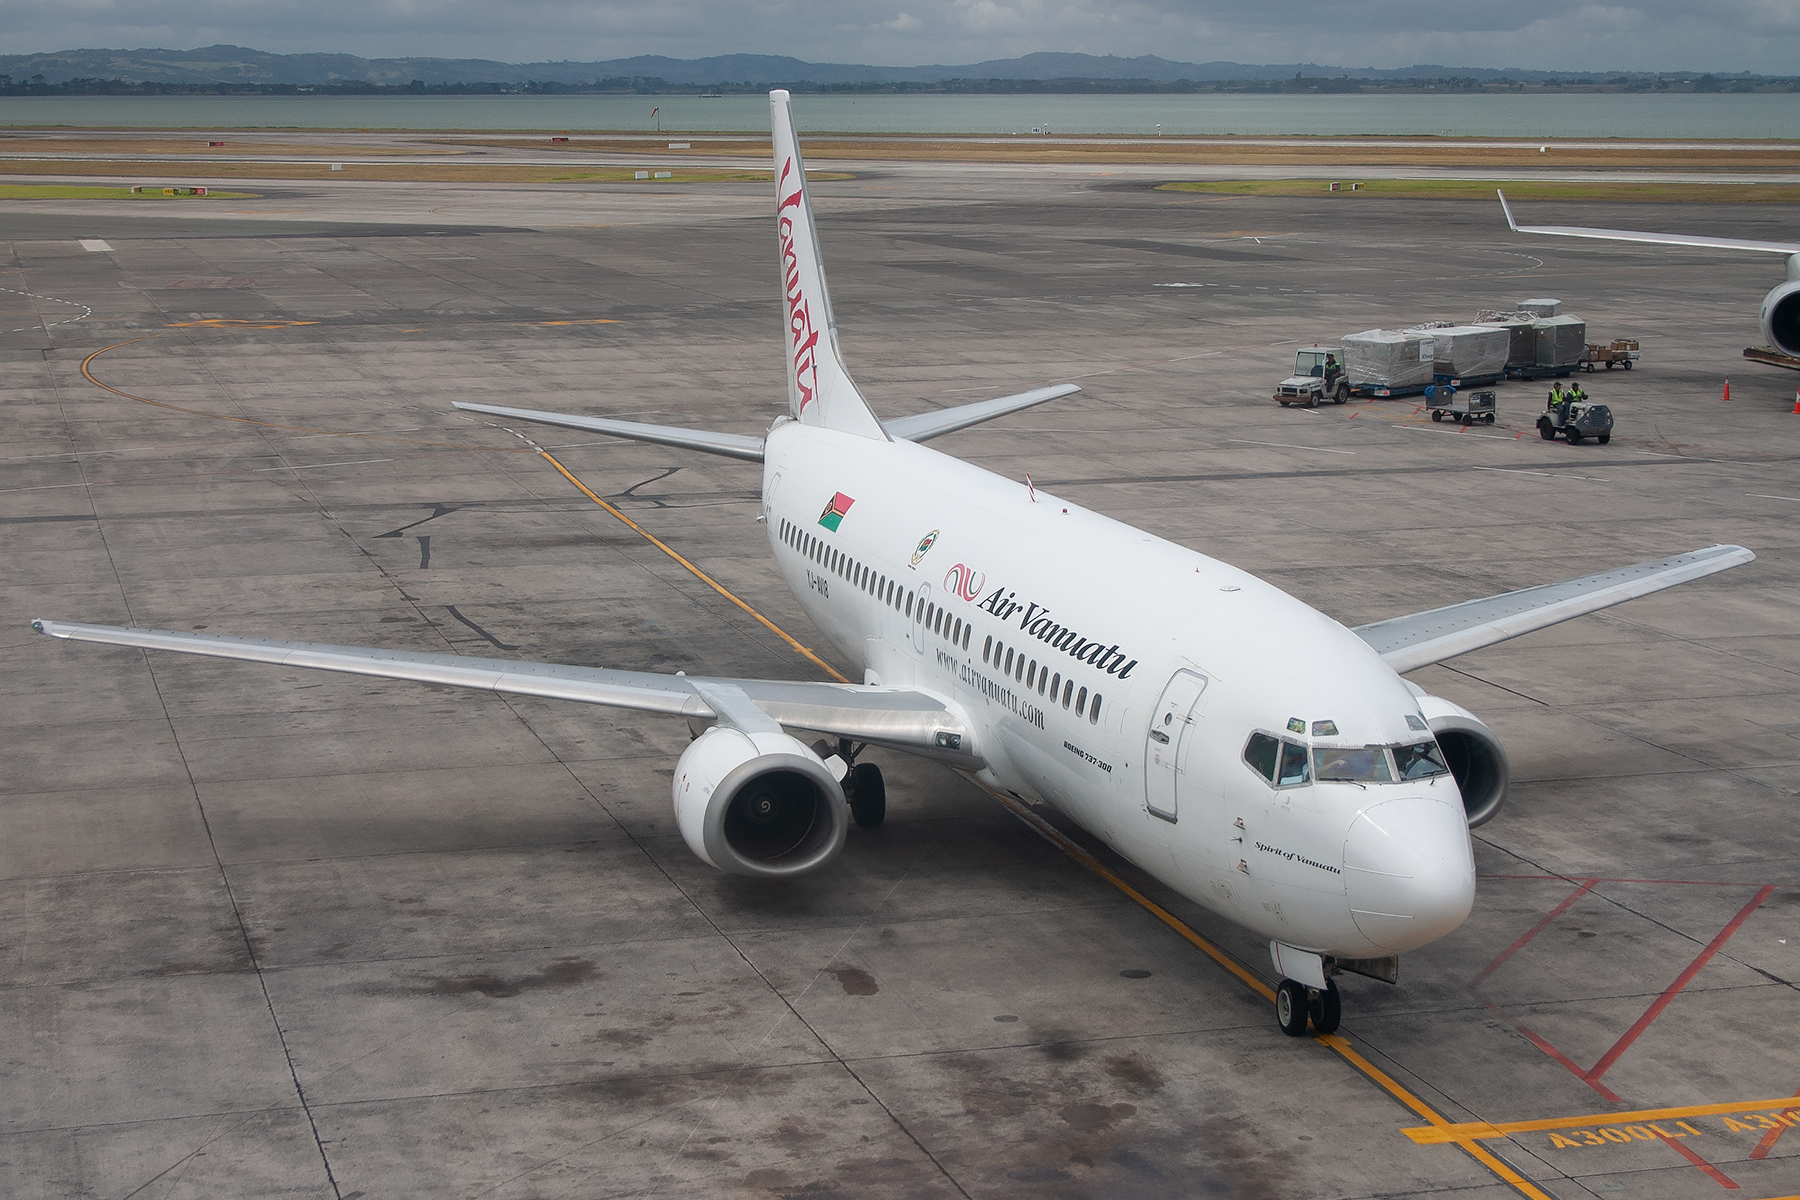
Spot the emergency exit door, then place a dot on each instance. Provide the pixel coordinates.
(1167, 741)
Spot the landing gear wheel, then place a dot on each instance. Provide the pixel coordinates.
(1291, 1008)
(868, 796)
(1574, 435)
(1327, 1009)
(1603, 438)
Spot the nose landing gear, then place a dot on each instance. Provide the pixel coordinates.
(1296, 1005)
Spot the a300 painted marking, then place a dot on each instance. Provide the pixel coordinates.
(1437, 1135)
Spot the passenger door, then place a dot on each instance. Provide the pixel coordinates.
(1167, 741)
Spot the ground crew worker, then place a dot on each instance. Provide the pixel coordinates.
(1570, 398)
(1556, 395)
(1332, 371)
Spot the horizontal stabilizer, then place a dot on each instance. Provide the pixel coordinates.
(902, 718)
(730, 445)
(922, 427)
(1659, 239)
(1408, 643)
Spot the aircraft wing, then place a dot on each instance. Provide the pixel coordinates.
(1661, 239)
(902, 718)
(922, 427)
(1410, 642)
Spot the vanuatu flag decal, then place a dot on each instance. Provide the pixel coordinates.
(834, 512)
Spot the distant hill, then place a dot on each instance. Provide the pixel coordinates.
(240, 65)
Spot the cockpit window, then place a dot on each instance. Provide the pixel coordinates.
(1296, 765)
(1352, 764)
(1261, 753)
(1420, 761)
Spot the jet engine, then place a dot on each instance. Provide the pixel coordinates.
(1781, 315)
(758, 804)
(1474, 755)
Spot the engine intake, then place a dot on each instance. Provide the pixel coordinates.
(1476, 759)
(759, 804)
(1781, 316)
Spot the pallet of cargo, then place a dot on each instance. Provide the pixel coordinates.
(1621, 352)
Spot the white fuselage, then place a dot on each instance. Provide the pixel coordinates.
(1056, 631)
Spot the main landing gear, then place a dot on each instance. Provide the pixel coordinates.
(863, 786)
(867, 794)
(1296, 1004)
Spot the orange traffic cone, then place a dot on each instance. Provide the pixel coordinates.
(1727, 394)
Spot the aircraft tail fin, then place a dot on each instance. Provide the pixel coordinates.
(820, 390)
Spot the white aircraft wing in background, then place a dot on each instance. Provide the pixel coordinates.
(1661, 239)
(1410, 642)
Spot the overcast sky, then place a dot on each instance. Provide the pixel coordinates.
(1714, 35)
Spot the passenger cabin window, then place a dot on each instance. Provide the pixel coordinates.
(1080, 701)
(1009, 657)
(1094, 710)
(987, 648)
(968, 632)
(1262, 752)
(1068, 689)
(1296, 765)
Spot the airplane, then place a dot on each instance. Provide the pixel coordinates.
(1256, 756)
(1780, 308)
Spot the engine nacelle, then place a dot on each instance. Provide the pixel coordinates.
(758, 804)
(1476, 759)
(1781, 315)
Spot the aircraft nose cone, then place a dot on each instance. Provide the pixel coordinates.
(1408, 871)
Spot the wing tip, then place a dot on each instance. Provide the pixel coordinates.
(1507, 209)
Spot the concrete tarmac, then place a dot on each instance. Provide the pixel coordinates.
(279, 933)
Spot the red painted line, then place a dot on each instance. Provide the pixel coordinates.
(1770, 1138)
(1569, 1065)
(1681, 981)
(1513, 949)
(1719, 1177)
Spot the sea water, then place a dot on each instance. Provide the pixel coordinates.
(1686, 115)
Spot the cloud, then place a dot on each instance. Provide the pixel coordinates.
(1724, 35)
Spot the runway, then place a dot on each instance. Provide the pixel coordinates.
(275, 933)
